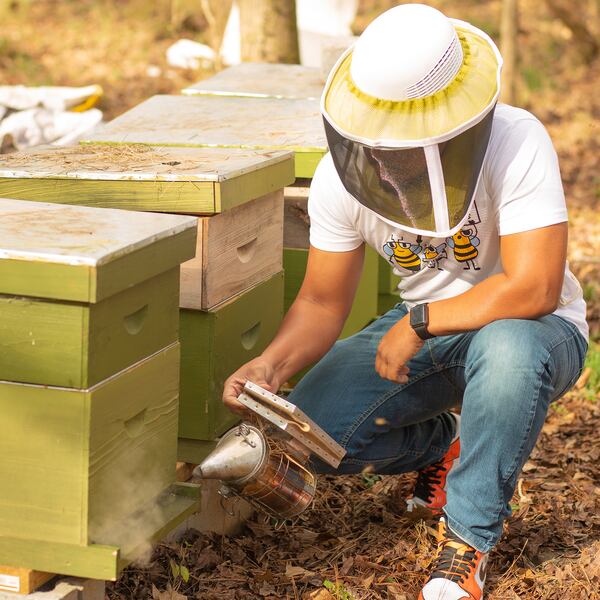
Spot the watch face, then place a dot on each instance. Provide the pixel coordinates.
(417, 316)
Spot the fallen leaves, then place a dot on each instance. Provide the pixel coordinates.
(355, 543)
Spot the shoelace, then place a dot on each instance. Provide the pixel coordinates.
(427, 479)
(451, 565)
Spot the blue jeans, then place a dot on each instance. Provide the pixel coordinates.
(504, 375)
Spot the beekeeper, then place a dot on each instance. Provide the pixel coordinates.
(463, 198)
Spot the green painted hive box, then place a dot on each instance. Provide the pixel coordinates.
(214, 344)
(200, 181)
(224, 122)
(262, 80)
(84, 292)
(87, 474)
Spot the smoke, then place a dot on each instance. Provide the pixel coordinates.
(130, 499)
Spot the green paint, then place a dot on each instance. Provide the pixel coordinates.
(306, 162)
(150, 196)
(191, 197)
(78, 283)
(78, 345)
(77, 462)
(94, 561)
(364, 309)
(386, 302)
(194, 451)
(214, 344)
(243, 188)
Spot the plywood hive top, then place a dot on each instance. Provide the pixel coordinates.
(262, 80)
(38, 239)
(220, 121)
(138, 162)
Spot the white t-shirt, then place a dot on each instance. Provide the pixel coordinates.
(520, 190)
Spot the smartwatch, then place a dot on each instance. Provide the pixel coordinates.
(419, 320)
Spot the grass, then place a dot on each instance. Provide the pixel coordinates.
(592, 362)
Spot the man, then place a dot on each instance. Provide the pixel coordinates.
(464, 200)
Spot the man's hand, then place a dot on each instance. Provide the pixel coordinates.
(396, 348)
(257, 371)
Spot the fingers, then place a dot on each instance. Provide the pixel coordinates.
(232, 389)
(393, 370)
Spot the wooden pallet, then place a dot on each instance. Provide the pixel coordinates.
(22, 581)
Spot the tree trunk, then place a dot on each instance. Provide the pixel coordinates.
(509, 27)
(268, 31)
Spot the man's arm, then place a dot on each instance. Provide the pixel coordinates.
(310, 327)
(529, 287)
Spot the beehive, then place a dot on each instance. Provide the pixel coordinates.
(216, 343)
(237, 247)
(262, 80)
(224, 122)
(89, 438)
(239, 242)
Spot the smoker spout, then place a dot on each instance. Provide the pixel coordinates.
(236, 457)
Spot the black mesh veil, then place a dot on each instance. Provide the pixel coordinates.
(404, 186)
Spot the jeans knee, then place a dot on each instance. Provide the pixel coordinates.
(507, 363)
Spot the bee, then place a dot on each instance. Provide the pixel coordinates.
(433, 255)
(403, 254)
(464, 243)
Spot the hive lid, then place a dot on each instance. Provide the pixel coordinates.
(262, 80)
(149, 178)
(225, 122)
(86, 254)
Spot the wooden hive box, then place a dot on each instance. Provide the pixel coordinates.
(85, 293)
(213, 345)
(238, 246)
(262, 80)
(224, 122)
(90, 472)
(89, 468)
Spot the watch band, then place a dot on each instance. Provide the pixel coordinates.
(419, 320)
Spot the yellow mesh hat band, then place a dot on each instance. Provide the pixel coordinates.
(419, 121)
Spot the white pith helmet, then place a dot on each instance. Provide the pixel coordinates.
(413, 80)
(398, 34)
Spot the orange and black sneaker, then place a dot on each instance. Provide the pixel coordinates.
(429, 494)
(458, 571)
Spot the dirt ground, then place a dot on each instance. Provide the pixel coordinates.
(356, 542)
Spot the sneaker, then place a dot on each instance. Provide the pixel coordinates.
(458, 570)
(429, 495)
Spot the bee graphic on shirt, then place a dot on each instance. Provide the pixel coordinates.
(403, 254)
(434, 254)
(464, 243)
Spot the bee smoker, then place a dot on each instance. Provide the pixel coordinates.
(267, 463)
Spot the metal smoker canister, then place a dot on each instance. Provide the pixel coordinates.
(261, 472)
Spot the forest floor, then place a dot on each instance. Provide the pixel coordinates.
(356, 542)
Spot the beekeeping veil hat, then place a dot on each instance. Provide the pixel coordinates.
(408, 112)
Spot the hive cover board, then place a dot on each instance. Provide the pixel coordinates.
(262, 80)
(137, 177)
(224, 122)
(86, 254)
